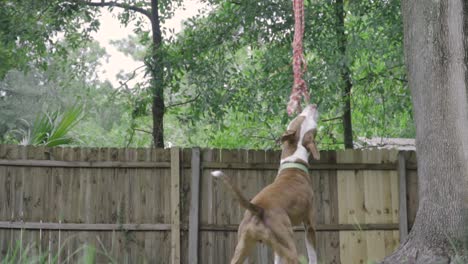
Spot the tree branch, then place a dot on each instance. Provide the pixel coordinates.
(122, 84)
(144, 131)
(331, 119)
(186, 102)
(116, 4)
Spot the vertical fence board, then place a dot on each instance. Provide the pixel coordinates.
(194, 208)
(4, 203)
(403, 221)
(175, 205)
(326, 204)
(207, 186)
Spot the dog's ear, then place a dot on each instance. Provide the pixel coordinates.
(309, 143)
(313, 150)
(293, 126)
(288, 136)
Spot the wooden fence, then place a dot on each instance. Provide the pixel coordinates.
(162, 205)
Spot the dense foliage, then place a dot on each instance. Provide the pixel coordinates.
(238, 59)
(30, 29)
(227, 75)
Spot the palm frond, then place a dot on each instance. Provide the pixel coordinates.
(52, 129)
(63, 125)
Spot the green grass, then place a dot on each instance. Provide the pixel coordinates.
(24, 254)
(302, 260)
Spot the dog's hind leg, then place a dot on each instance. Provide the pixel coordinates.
(280, 238)
(278, 259)
(243, 249)
(283, 245)
(310, 237)
(285, 254)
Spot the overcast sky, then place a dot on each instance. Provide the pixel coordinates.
(111, 29)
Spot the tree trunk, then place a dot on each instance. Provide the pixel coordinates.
(157, 78)
(436, 51)
(345, 75)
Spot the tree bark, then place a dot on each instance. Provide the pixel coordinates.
(436, 56)
(155, 64)
(157, 82)
(345, 75)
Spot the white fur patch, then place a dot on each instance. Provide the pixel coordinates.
(309, 123)
(217, 173)
(306, 111)
(311, 253)
(300, 153)
(278, 259)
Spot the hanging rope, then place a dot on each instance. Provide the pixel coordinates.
(299, 88)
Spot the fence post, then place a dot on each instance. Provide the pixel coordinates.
(194, 207)
(175, 206)
(403, 225)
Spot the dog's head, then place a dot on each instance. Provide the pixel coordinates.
(298, 142)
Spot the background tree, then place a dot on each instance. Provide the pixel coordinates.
(242, 51)
(436, 48)
(156, 11)
(230, 70)
(29, 28)
(108, 113)
(345, 74)
(64, 82)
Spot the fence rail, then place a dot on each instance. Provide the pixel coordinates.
(162, 205)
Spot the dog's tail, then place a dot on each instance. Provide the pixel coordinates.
(257, 210)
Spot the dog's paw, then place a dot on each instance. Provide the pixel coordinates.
(217, 173)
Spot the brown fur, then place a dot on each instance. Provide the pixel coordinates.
(289, 138)
(272, 212)
(309, 143)
(286, 202)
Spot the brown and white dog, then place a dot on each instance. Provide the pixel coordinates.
(286, 202)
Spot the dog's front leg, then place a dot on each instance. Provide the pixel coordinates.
(278, 259)
(310, 251)
(310, 238)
